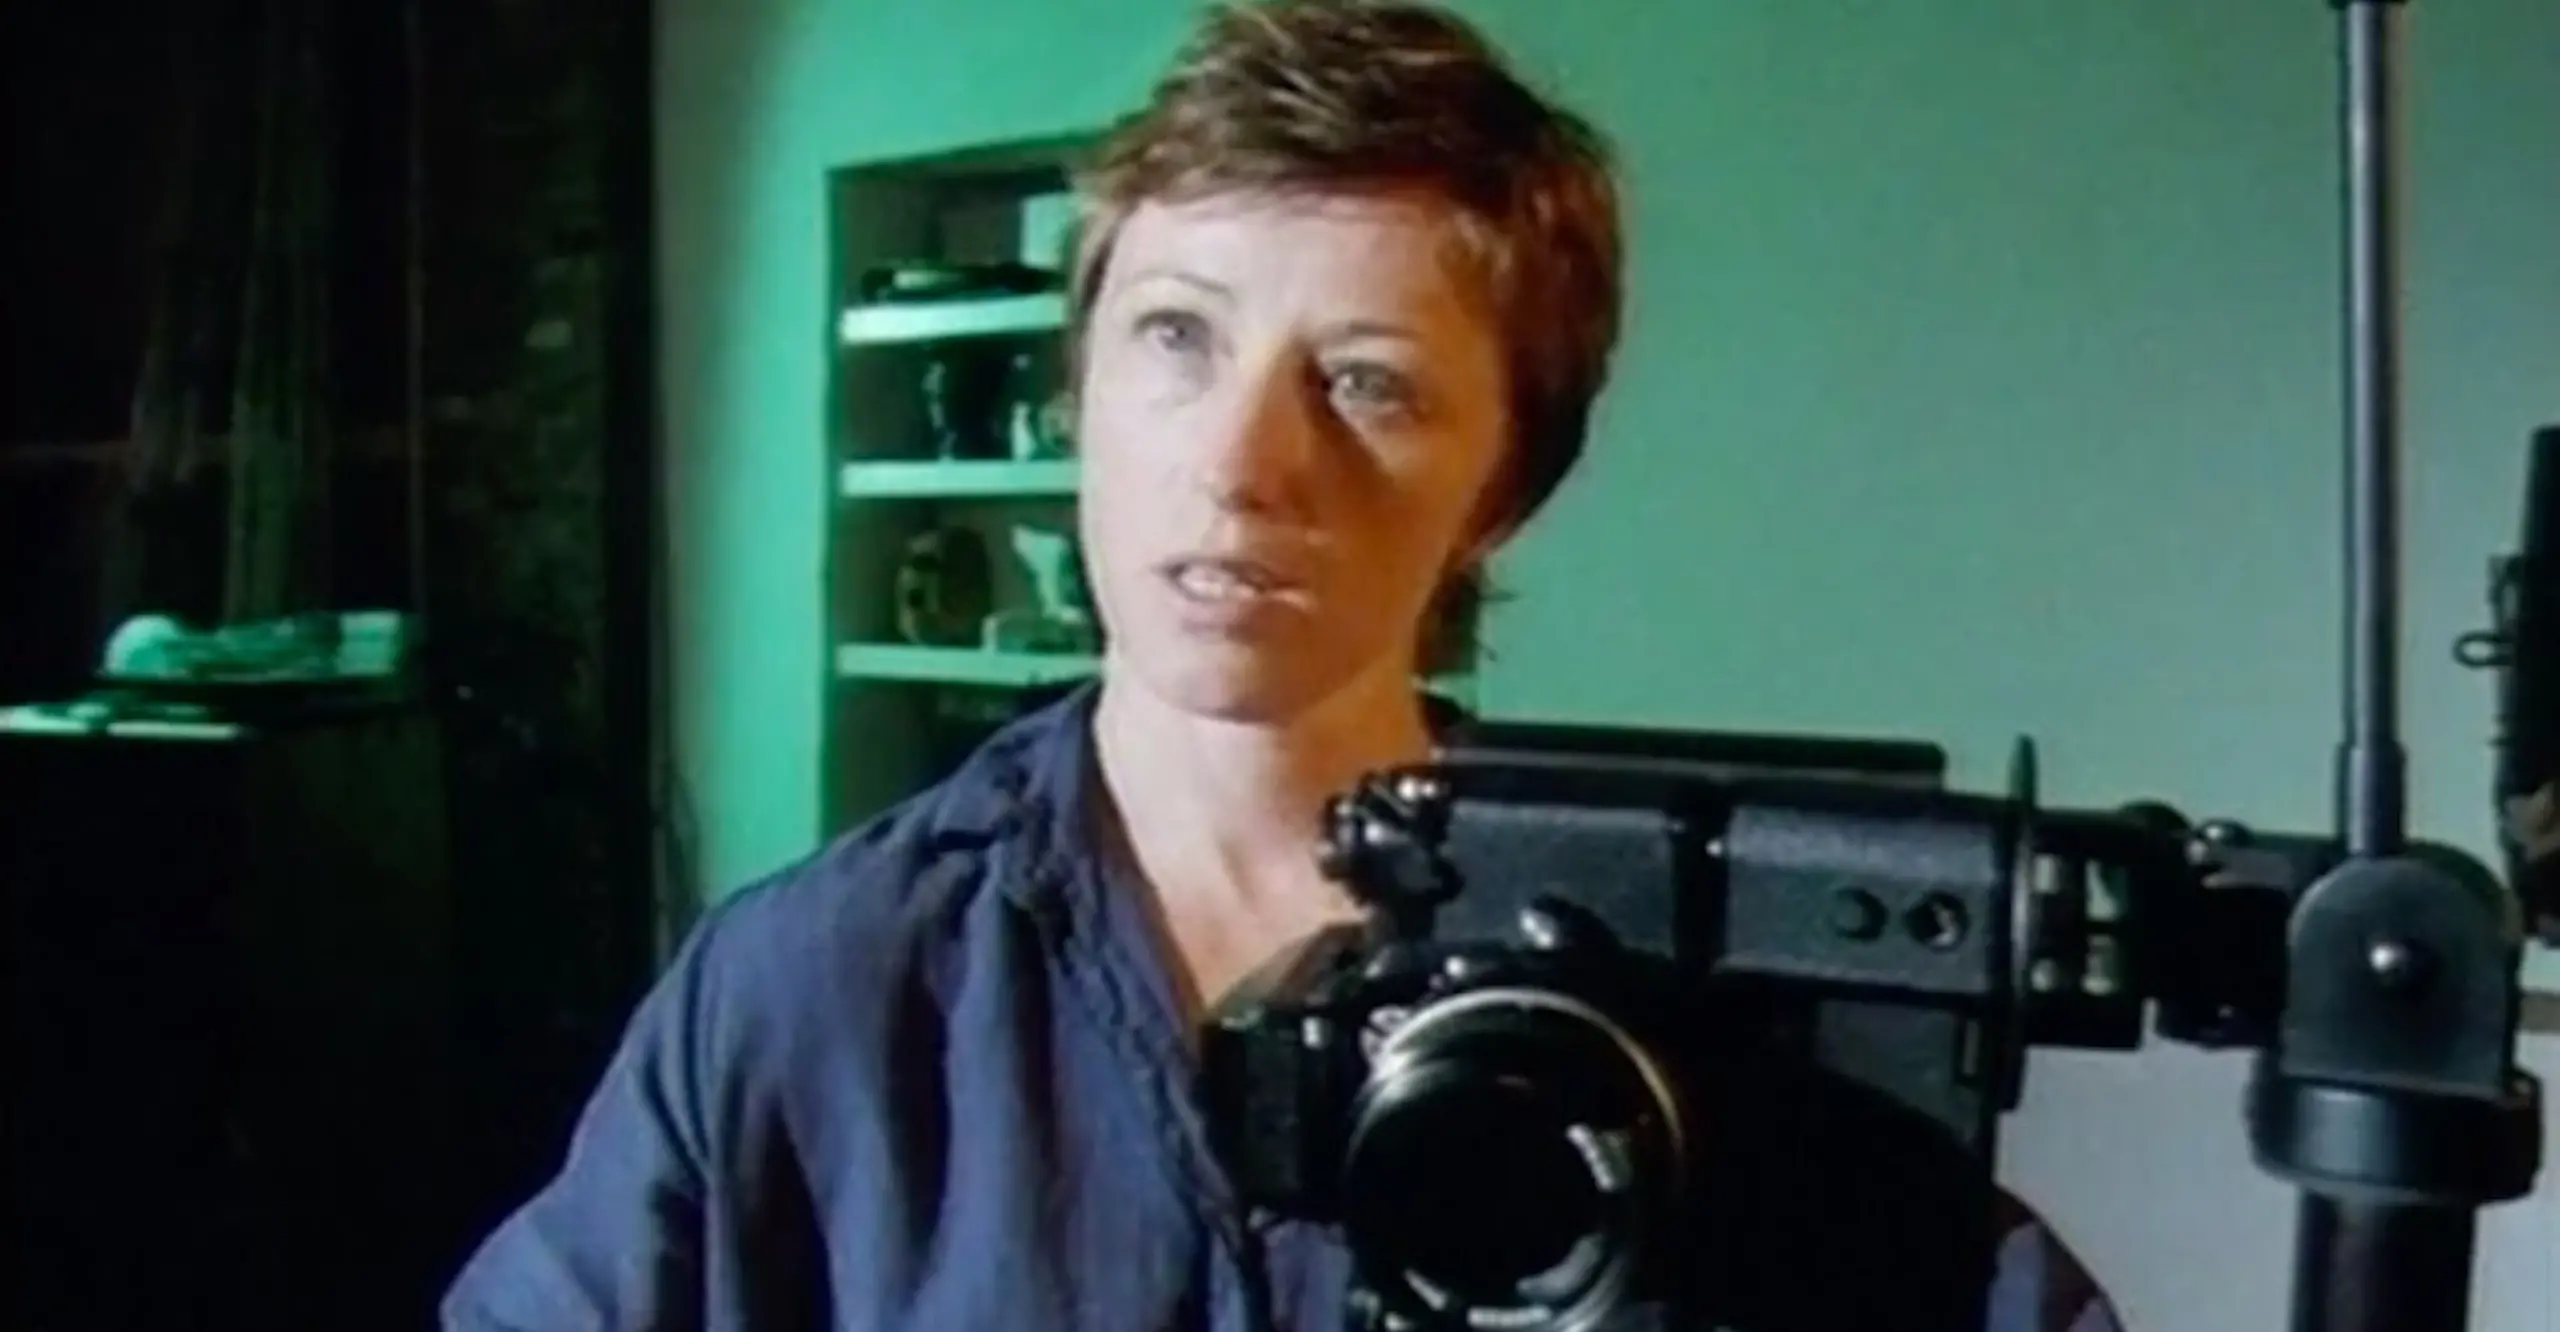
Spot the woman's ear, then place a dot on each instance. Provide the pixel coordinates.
(1492, 520)
(1489, 538)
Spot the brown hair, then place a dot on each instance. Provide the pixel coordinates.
(1396, 96)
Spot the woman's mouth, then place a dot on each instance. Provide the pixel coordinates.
(1231, 585)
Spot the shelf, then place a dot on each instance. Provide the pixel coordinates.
(933, 321)
(959, 666)
(956, 480)
(74, 720)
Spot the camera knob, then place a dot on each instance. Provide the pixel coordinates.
(1338, 846)
(1552, 925)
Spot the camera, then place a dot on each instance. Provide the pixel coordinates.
(1655, 1029)
(1671, 1031)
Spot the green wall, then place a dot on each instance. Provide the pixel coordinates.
(1982, 379)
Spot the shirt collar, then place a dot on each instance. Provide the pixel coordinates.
(1034, 787)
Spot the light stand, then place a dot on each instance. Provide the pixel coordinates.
(2389, 1094)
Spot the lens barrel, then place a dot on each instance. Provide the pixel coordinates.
(1510, 1155)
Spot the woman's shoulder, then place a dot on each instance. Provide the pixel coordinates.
(896, 898)
(768, 1053)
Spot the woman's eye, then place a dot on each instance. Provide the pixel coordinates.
(1372, 388)
(1177, 331)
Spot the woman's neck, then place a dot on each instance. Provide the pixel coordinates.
(1223, 815)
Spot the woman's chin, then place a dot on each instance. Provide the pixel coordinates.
(1229, 682)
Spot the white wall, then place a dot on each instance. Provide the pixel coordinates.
(1982, 376)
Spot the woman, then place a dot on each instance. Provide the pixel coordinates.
(1345, 294)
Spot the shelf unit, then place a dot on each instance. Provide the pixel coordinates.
(932, 417)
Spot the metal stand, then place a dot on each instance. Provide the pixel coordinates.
(2390, 1095)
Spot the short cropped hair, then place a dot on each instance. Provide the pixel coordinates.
(1394, 96)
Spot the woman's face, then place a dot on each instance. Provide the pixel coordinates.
(1290, 410)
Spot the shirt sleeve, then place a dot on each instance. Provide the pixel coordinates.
(2040, 1286)
(613, 1242)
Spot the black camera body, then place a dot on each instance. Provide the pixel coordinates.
(1652, 1029)
(1668, 1031)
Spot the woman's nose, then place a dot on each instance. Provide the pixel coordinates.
(1266, 446)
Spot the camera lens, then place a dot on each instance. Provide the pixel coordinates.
(1474, 1187)
(1506, 1157)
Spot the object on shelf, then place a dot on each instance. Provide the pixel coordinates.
(160, 678)
(1060, 618)
(369, 645)
(1024, 629)
(1048, 226)
(1039, 419)
(984, 403)
(945, 588)
(967, 402)
(927, 281)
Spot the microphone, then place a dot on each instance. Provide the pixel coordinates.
(2523, 645)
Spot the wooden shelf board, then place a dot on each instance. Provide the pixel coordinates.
(893, 323)
(956, 480)
(959, 666)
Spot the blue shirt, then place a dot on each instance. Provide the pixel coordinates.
(935, 1078)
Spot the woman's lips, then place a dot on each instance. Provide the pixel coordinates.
(1225, 591)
